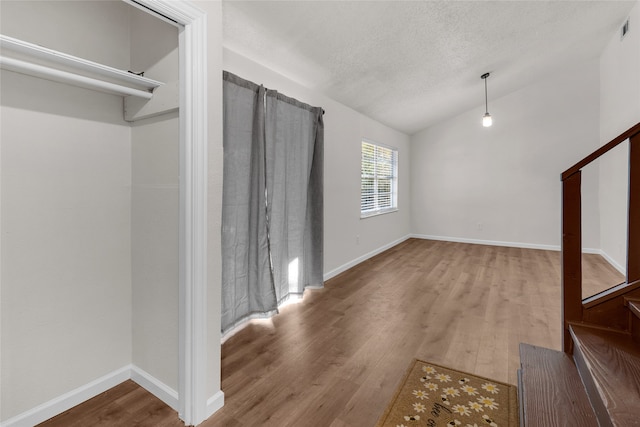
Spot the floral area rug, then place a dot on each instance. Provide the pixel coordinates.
(435, 396)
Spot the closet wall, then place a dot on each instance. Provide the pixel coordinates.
(155, 144)
(89, 208)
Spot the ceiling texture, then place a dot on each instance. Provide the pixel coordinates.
(411, 64)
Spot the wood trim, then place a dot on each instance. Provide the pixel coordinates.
(633, 224)
(192, 330)
(571, 255)
(584, 369)
(610, 294)
(634, 130)
(634, 307)
(193, 345)
(627, 300)
(547, 373)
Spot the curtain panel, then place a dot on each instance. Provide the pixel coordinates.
(272, 204)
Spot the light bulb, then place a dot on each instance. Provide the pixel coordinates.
(486, 120)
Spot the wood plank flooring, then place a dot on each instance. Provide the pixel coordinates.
(336, 358)
(598, 275)
(127, 404)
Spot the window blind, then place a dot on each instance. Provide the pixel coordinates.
(378, 179)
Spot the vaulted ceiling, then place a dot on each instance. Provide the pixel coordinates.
(410, 64)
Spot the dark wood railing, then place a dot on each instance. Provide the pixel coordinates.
(572, 307)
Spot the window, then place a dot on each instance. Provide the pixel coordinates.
(379, 179)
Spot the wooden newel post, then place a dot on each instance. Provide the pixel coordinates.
(571, 255)
(633, 242)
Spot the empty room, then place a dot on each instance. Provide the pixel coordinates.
(319, 213)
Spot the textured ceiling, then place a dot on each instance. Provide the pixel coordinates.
(410, 64)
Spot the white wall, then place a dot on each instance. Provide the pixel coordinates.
(155, 208)
(65, 197)
(619, 110)
(502, 184)
(614, 188)
(74, 27)
(620, 81)
(346, 236)
(154, 247)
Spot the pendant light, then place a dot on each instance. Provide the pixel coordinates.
(486, 119)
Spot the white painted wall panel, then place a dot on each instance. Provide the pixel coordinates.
(66, 271)
(503, 183)
(620, 80)
(154, 247)
(619, 110)
(66, 209)
(96, 30)
(155, 145)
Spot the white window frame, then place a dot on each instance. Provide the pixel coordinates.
(394, 183)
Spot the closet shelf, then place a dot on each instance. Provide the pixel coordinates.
(39, 61)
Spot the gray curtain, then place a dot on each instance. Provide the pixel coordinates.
(272, 204)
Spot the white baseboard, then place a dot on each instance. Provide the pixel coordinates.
(591, 251)
(68, 400)
(155, 387)
(81, 394)
(364, 257)
(488, 242)
(520, 245)
(613, 263)
(214, 403)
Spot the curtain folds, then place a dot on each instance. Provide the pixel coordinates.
(272, 204)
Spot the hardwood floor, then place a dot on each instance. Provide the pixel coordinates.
(336, 358)
(598, 275)
(127, 404)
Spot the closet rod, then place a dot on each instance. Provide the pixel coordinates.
(71, 78)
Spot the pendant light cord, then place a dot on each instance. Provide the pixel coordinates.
(486, 102)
